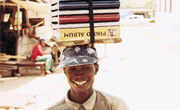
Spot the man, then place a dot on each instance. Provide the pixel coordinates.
(39, 55)
(80, 67)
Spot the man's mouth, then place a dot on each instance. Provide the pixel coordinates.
(80, 83)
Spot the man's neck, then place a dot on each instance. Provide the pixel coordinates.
(79, 97)
(40, 44)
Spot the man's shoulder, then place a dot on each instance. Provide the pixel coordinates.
(107, 96)
(114, 101)
(39, 45)
(36, 45)
(60, 105)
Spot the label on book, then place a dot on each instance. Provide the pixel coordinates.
(84, 33)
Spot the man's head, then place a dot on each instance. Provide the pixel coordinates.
(42, 42)
(81, 78)
(80, 66)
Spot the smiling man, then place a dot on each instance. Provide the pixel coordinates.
(80, 65)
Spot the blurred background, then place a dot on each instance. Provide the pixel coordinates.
(143, 70)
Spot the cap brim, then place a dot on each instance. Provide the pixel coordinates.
(75, 61)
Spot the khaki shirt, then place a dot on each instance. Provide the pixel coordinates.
(97, 101)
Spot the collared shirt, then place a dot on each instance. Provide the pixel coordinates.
(97, 101)
(88, 104)
(37, 51)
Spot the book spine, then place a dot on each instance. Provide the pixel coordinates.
(85, 18)
(85, 5)
(84, 33)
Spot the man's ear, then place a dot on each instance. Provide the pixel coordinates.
(96, 67)
(64, 70)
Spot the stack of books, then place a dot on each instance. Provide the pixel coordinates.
(70, 20)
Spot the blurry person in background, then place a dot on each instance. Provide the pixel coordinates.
(39, 55)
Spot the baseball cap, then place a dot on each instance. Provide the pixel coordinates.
(78, 55)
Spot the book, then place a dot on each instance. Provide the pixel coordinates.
(87, 41)
(85, 18)
(86, 0)
(64, 5)
(84, 33)
(84, 25)
(70, 20)
(79, 12)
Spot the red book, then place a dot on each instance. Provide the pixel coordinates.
(85, 18)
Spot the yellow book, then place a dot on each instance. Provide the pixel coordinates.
(84, 33)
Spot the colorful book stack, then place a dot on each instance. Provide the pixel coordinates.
(70, 21)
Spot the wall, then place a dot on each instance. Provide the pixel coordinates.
(168, 15)
(45, 31)
(26, 44)
(148, 13)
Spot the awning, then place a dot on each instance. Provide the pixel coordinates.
(34, 6)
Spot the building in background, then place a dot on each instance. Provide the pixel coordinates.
(146, 12)
(22, 24)
(168, 15)
(138, 7)
(137, 12)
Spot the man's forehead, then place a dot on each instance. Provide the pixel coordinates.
(79, 66)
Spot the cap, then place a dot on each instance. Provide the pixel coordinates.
(78, 55)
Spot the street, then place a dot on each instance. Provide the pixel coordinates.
(143, 70)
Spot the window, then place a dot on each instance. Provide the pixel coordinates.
(6, 17)
(18, 21)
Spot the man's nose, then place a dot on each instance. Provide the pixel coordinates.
(79, 73)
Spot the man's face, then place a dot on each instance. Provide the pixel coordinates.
(43, 43)
(81, 78)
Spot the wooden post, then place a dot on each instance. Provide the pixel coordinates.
(55, 53)
(27, 18)
(18, 30)
(105, 51)
(56, 56)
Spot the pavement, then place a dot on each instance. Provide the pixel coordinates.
(143, 70)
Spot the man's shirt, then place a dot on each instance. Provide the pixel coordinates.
(37, 51)
(97, 101)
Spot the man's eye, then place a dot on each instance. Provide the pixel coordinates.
(72, 69)
(86, 68)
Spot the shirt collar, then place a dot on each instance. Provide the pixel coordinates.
(40, 44)
(88, 104)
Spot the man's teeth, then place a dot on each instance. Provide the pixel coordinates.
(80, 83)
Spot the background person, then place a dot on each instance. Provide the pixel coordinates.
(39, 55)
(80, 67)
